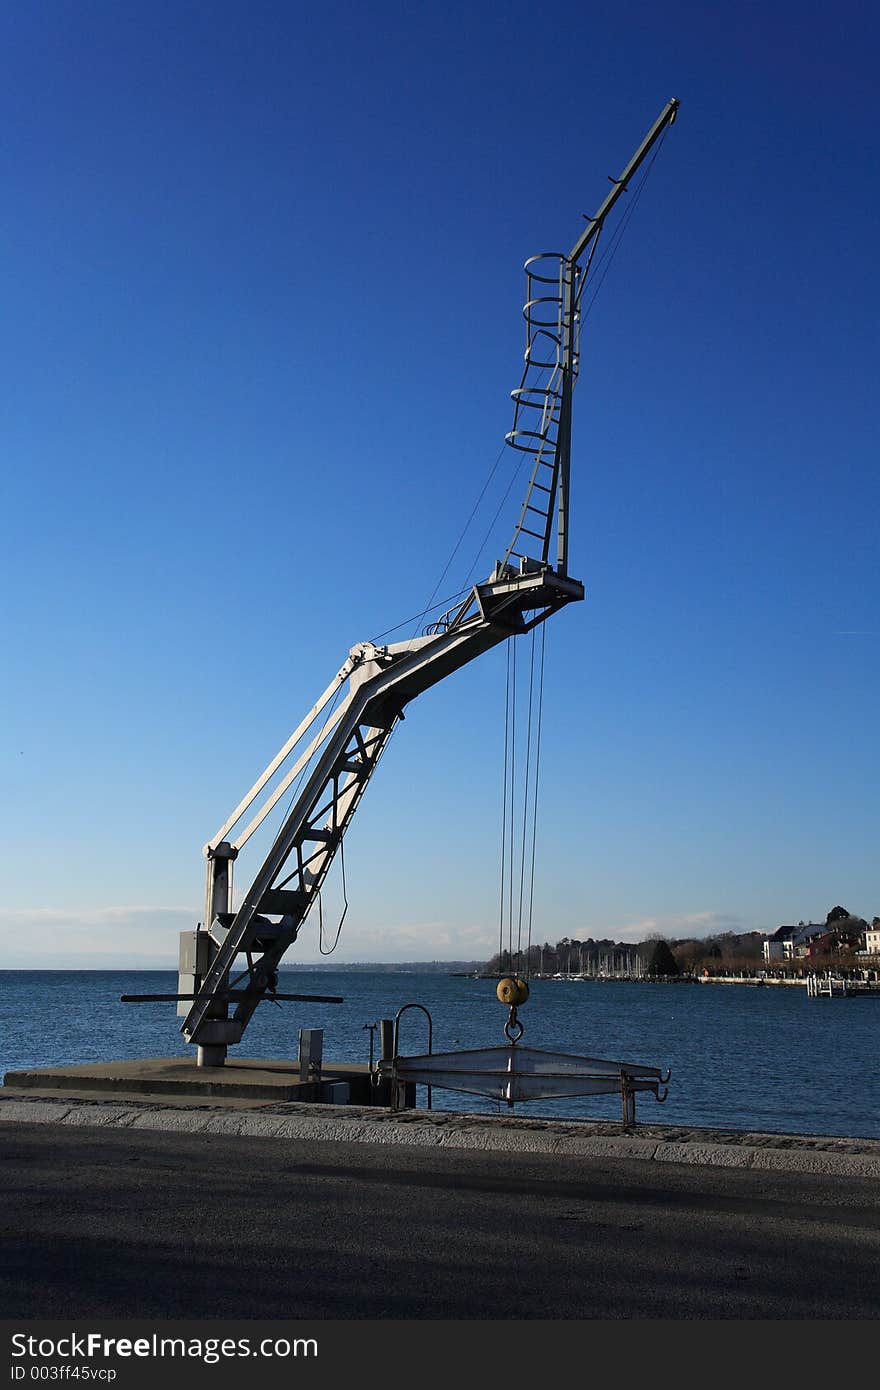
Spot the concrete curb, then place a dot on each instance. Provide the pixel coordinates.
(459, 1131)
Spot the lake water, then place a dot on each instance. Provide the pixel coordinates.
(741, 1057)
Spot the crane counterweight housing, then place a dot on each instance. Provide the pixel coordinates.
(331, 755)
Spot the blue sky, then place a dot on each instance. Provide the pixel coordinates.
(261, 279)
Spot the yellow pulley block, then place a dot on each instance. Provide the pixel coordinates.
(512, 990)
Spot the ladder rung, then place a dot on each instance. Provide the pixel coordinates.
(264, 931)
(267, 940)
(280, 901)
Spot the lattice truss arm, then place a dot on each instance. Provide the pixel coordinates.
(372, 688)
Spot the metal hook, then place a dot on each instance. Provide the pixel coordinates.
(513, 1029)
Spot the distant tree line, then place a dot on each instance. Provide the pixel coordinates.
(571, 956)
(720, 954)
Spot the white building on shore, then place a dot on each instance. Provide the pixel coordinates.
(790, 942)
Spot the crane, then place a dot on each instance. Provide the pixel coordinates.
(346, 731)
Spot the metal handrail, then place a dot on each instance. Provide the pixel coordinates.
(397, 1017)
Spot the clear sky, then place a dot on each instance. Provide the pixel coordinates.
(261, 287)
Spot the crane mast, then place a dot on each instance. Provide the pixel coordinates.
(347, 730)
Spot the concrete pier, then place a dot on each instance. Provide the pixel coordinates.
(267, 1099)
(245, 1081)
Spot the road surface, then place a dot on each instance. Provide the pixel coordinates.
(118, 1223)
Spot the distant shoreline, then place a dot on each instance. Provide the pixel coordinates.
(430, 967)
(471, 970)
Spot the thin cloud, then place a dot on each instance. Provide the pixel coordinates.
(678, 925)
(87, 916)
(137, 936)
(109, 938)
(413, 941)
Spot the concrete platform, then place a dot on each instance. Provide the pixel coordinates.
(243, 1081)
(264, 1100)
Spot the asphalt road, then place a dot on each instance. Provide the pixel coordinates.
(125, 1224)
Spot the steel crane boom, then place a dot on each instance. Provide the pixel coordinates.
(368, 696)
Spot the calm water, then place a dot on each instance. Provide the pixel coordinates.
(741, 1057)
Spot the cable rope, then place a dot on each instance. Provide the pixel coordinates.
(415, 617)
(603, 263)
(584, 274)
(329, 951)
(464, 530)
(504, 804)
(618, 234)
(539, 728)
(525, 804)
(520, 835)
(512, 834)
(514, 477)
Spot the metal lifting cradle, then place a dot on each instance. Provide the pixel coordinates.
(234, 959)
